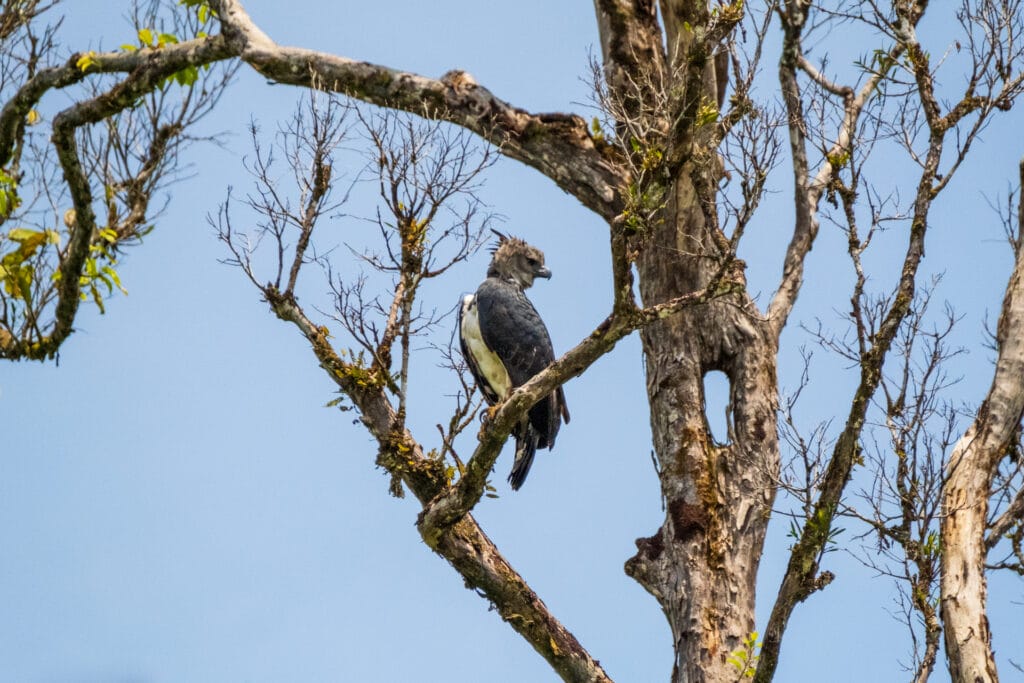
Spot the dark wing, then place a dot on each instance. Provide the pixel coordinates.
(513, 330)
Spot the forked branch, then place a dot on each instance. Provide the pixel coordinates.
(422, 167)
(558, 145)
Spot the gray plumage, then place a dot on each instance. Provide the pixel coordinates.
(505, 343)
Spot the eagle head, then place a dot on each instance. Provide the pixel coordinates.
(516, 261)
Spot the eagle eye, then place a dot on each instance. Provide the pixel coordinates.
(532, 260)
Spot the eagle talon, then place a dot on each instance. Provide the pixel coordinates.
(505, 343)
(488, 414)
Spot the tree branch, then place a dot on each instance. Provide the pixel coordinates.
(464, 545)
(558, 145)
(148, 67)
(807, 191)
(801, 578)
(1013, 514)
(443, 512)
(147, 70)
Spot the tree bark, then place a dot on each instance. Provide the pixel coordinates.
(702, 563)
(965, 495)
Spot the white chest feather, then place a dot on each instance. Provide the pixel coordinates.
(487, 362)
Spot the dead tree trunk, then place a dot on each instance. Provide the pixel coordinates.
(701, 564)
(965, 495)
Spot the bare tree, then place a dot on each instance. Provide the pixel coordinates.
(676, 163)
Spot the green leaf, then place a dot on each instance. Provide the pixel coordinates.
(114, 277)
(29, 242)
(86, 60)
(97, 298)
(146, 37)
(706, 113)
(203, 10)
(23, 234)
(187, 76)
(106, 281)
(23, 279)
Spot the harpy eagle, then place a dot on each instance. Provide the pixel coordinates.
(505, 343)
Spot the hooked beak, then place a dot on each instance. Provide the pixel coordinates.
(543, 272)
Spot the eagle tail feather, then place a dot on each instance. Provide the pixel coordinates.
(526, 448)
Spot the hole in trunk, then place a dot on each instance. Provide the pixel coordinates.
(716, 405)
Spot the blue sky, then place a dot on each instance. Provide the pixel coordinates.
(176, 504)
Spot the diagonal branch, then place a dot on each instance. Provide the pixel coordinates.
(148, 67)
(448, 509)
(968, 495)
(1013, 514)
(464, 546)
(558, 145)
(808, 190)
(801, 578)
